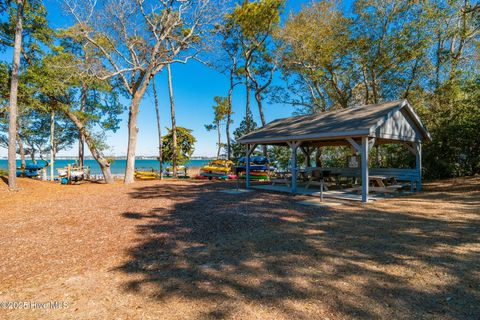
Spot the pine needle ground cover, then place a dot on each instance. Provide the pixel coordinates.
(184, 250)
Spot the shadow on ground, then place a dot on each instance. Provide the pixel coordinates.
(301, 261)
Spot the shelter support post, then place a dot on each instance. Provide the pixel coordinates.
(294, 146)
(418, 164)
(364, 151)
(416, 150)
(250, 149)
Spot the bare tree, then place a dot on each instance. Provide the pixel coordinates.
(12, 110)
(138, 38)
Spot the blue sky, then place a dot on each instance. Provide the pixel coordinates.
(194, 84)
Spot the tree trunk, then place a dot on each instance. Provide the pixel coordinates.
(247, 104)
(318, 157)
(174, 125)
(159, 129)
(133, 129)
(32, 155)
(377, 156)
(102, 162)
(81, 139)
(132, 139)
(229, 117)
(52, 145)
(12, 109)
(219, 140)
(258, 97)
(21, 150)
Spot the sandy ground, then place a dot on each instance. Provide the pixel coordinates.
(183, 250)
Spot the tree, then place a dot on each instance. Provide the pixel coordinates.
(186, 145)
(255, 22)
(55, 80)
(230, 45)
(220, 112)
(25, 29)
(245, 127)
(12, 109)
(137, 39)
(316, 59)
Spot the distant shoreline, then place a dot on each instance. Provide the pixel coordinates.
(115, 158)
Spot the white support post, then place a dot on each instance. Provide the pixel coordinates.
(418, 164)
(250, 149)
(294, 146)
(365, 179)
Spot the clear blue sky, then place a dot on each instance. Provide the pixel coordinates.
(195, 85)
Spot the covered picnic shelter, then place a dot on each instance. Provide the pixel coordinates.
(359, 127)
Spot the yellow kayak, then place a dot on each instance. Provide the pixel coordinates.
(218, 166)
(146, 175)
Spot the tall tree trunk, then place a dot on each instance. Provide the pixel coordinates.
(229, 117)
(174, 125)
(318, 157)
(258, 97)
(133, 129)
(32, 155)
(159, 129)
(102, 162)
(219, 140)
(81, 139)
(132, 139)
(21, 150)
(52, 145)
(12, 109)
(247, 104)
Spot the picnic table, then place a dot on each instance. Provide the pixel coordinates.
(380, 184)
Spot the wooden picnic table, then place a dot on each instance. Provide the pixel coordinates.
(379, 181)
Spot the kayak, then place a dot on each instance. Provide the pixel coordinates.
(218, 167)
(145, 175)
(255, 177)
(253, 168)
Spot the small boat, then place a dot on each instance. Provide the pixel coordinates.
(220, 169)
(72, 174)
(31, 170)
(181, 171)
(259, 168)
(146, 174)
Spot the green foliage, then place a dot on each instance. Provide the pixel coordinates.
(387, 50)
(185, 145)
(256, 18)
(317, 58)
(453, 116)
(220, 112)
(238, 149)
(36, 31)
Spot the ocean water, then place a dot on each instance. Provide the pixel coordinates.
(118, 166)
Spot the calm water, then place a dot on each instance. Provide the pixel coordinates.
(118, 167)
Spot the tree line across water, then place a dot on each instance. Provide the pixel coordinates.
(64, 85)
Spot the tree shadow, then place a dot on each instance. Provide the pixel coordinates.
(262, 247)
